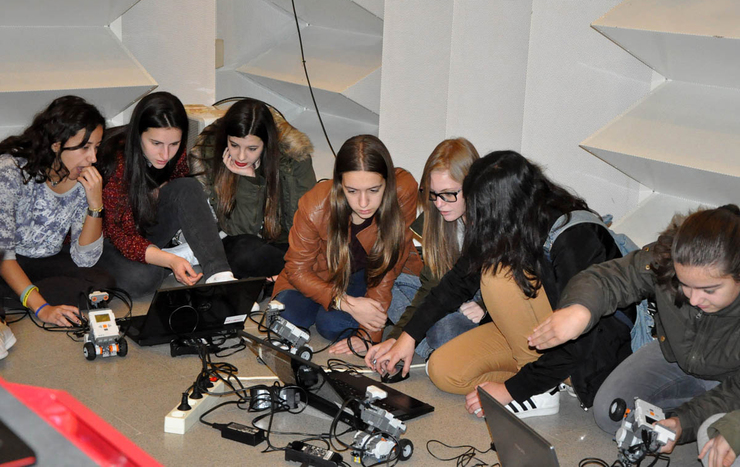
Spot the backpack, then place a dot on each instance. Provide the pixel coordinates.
(641, 330)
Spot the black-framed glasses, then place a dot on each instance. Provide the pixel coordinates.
(446, 196)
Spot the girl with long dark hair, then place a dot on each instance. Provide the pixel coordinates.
(255, 167)
(49, 188)
(511, 208)
(349, 243)
(148, 199)
(692, 370)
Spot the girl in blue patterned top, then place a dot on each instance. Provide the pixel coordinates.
(50, 191)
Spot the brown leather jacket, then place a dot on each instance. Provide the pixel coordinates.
(306, 267)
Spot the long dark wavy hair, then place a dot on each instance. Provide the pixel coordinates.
(364, 153)
(439, 239)
(509, 206)
(59, 122)
(246, 117)
(709, 237)
(156, 110)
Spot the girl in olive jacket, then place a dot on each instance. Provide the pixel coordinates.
(692, 370)
(255, 167)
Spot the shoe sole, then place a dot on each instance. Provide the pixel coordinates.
(538, 412)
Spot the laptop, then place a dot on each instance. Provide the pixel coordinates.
(196, 311)
(515, 442)
(13, 450)
(327, 391)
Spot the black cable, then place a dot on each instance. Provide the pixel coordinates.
(310, 88)
(464, 459)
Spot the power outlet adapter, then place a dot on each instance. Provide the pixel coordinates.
(180, 421)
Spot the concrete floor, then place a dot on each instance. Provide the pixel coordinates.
(135, 393)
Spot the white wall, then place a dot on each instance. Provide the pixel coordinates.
(175, 41)
(509, 74)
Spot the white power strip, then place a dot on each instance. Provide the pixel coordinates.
(180, 421)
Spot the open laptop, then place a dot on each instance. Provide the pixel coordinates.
(327, 390)
(515, 442)
(204, 310)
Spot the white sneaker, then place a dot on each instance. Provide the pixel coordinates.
(224, 276)
(567, 388)
(547, 403)
(7, 335)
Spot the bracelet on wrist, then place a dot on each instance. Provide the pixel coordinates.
(27, 293)
(39, 308)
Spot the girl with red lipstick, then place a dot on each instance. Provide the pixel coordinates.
(49, 189)
(255, 167)
(149, 198)
(349, 243)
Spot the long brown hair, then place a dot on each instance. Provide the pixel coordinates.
(705, 238)
(439, 239)
(364, 153)
(247, 117)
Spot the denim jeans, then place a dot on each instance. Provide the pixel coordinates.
(181, 204)
(446, 329)
(648, 375)
(330, 324)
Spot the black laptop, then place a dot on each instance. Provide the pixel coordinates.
(204, 310)
(328, 390)
(515, 442)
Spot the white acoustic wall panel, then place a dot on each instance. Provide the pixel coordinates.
(40, 64)
(695, 41)
(66, 13)
(346, 15)
(682, 139)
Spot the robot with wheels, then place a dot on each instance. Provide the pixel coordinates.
(289, 335)
(381, 440)
(637, 436)
(103, 338)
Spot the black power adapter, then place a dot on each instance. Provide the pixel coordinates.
(308, 454)
(241, 433)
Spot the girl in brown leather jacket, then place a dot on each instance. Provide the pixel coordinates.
(349, 243)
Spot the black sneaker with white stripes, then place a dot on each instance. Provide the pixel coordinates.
(547, 403)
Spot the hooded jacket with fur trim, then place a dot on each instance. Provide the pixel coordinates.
(296, 178)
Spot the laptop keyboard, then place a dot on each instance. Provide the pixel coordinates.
(347, 391)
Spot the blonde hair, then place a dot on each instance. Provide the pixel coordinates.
(439, 237)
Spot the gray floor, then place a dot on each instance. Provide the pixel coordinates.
(135, 393)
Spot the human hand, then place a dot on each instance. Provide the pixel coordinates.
(720, 452)
(61, 315)
(183, 271)
(383, 357)
(563, 325)
(92, 182)
(247, 171)
(497, 390)
(473, 311)
(673, 424)
(366, 311)
(343, 346)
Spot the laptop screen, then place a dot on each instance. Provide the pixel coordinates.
(516, 443)
(196, 311)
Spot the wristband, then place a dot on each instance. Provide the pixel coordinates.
(26, 292)
(39, 309)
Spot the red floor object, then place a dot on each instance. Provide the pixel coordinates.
(82, 427)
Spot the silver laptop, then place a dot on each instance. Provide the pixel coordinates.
(515, 442)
